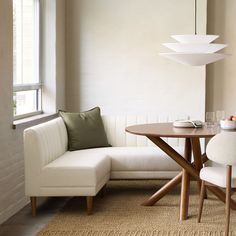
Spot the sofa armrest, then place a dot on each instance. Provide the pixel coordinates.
(33, 162)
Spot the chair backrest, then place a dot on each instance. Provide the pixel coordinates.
(117, 136)
(222, 148)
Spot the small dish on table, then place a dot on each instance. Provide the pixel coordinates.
(229, 123)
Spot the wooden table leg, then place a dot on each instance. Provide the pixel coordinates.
(198, 162)
(163, 191)
(204, 158)
(172, 153)
(188, 167)
(184, 201)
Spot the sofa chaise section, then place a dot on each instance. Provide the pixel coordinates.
(50, 170)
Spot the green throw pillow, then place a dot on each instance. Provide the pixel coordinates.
(85, 129)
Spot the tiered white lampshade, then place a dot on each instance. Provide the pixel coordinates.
(195, 50)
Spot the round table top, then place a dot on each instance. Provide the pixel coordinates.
(168, 130)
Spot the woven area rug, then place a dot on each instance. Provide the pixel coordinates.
(120, 213)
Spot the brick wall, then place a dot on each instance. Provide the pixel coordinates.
(12, 196)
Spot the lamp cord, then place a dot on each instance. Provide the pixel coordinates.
(195, 17)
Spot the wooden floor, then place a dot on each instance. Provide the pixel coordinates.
(23, 224)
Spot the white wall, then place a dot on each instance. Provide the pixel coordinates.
(221, 76)
(48, 54)
(12, 196)
(52, 43)
(61, 54)
(113, 61)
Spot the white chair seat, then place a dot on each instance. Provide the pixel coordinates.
(217, 176)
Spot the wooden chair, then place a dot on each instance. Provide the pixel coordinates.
(221, 149)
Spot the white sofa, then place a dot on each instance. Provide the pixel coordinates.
(52, 170)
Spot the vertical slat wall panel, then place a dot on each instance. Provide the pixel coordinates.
(110, 128)
(120, 131)
(117, 136)
(131, 140)
(141, 140)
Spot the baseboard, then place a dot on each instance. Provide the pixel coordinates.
(9, 212)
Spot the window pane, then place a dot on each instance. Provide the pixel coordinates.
(26, 57)
(26, 102)
(25, 49)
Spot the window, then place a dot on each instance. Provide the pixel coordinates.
(27, 86)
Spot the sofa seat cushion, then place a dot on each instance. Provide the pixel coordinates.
(141, 159)
(89, 166)
(79, 168)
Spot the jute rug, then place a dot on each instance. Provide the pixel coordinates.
(120, 213)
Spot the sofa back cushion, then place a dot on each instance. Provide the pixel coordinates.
(118, 137)
(46, 141)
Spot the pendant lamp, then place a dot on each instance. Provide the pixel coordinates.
(194, 49)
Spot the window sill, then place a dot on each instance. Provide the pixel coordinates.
(33, 120)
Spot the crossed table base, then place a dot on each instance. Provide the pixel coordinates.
(192, 145)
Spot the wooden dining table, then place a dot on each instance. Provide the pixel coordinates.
(190, 166)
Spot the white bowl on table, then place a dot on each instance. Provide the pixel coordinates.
(228, 124)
